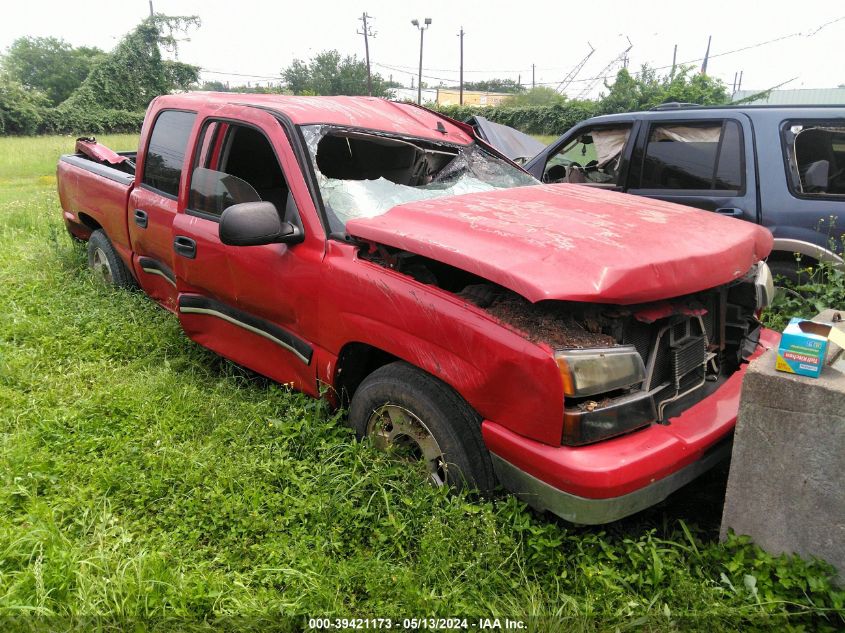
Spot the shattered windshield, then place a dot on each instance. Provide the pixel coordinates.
(363, 175)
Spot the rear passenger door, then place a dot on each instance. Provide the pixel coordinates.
(154, 202)
(706, 162)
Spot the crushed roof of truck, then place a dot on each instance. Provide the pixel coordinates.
(369, 113)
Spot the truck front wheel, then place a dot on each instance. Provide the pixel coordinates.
(413, 415)
(106, 263)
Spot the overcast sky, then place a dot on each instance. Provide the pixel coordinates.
(503, 38)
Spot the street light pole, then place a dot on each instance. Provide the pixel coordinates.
(422, 28)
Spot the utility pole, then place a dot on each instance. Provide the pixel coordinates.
(421, 28)
(739, 85)
(733, 90)
(152, 13)
(706, 56)
(461, 97)
(674, 59)
(533, 84)
(366, 33)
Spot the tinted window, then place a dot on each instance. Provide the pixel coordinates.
(166, 151)
(694, 156)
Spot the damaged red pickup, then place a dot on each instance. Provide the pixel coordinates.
(582, 348)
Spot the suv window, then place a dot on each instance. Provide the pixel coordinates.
(692, 156)
(235, 164)
(166, 151)
(592, 156)
(815, 153)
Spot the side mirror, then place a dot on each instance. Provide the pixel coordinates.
(254, 224)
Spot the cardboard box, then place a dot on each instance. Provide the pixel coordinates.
(800, 351)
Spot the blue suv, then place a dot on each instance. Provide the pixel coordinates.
(779, 166)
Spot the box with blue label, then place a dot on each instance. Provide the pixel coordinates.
(802, 348)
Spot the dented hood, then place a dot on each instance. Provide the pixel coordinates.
(574, 243)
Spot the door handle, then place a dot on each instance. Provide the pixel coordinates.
(730, 211)
(141, 218)
(185, 246)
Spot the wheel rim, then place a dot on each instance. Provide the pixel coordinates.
(397, 430)
(100, 266)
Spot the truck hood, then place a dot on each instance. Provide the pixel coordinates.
(574, 243)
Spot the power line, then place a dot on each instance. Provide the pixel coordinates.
(407, 69)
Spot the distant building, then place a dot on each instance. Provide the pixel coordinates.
(450, 96)
(429, 95)
(801, 96)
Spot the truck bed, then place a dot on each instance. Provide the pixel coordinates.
(95, 195)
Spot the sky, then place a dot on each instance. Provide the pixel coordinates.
(252, 41)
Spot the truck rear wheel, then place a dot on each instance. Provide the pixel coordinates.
(415, 416)
(106, 263)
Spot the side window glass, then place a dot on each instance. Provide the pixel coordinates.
(166, 151)
(593, 156)
(693, 156)
(213, 191)
(235, 164)
(815, 153)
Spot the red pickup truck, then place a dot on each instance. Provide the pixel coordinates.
(580, 347)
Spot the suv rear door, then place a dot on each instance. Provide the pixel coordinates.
(702, 159)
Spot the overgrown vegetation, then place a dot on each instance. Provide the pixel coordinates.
(114, 92)
(146, 482)
(50, 65)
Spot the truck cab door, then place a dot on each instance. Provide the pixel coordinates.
(256, 305)
(153, 204)
(705, 162)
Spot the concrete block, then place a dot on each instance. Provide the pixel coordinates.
(786, 487)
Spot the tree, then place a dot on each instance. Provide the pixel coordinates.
(21, 109)
(539, 96)
(494, 85)
(49, 65)
(135, 73)
(327, 73)
(629, 93)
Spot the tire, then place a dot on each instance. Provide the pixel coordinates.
(788, 269)
(406, 410)
(106, 264)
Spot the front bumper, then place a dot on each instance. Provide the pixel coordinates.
(609, 480)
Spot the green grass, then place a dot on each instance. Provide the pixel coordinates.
(146, 482)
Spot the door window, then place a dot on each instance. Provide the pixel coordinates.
(815, 153)
(235, 164)
(166, 151)
(692, 156)
(592, 156)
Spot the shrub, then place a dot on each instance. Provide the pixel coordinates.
(553, 119)
(21, 110)
(89, 121)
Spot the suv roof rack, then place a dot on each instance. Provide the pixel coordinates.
(674, 105)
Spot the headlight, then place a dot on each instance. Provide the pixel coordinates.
(587, 372)
(764, 285)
